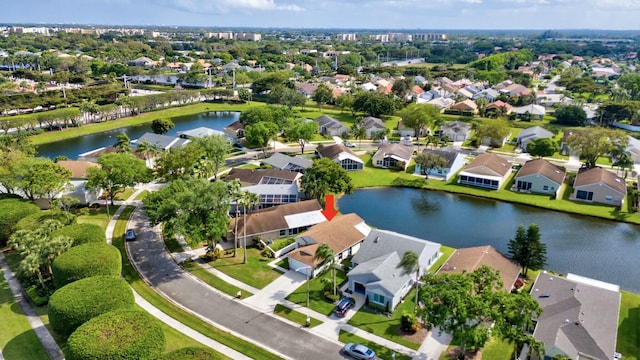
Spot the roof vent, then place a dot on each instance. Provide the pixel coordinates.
(375, 241)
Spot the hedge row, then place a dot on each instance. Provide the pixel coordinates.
(85, 261)
(82, 233)
(118, 334)
(193, 353)
(78, 302)
(34, 221)
(12, 211)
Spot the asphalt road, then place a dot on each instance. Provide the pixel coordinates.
(150, 257)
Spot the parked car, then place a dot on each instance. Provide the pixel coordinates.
(358, 351)
(130, 235)
(349, 144)
(343, 305)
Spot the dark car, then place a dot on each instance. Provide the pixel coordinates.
(130, 235)
(358, 351)
(343, 305)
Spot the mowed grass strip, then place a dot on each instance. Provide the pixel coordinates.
(215, 282)
(629, 326)
(256, 272)
(381, 351)
(295, 316)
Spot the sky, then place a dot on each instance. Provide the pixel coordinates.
(338, 14)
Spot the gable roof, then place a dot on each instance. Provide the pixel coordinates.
(261, 176)
(456, 127)
(78, 168)
(163, 142)
(292, 215)
(544, 168)
(286, 162)
(532, 109)
(536, 131)
(373, 122)
(465, 105)
(470, 259)
(449, 155)
(383, 242)
(599, 175)
(488, 164)
(335, 151)
(386, 271)
(579, 317)
(498, 104)
(328, 122)
(201, 132)
(400, 152)
(307, 88)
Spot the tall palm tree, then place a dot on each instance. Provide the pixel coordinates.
(123, 143)
(145, 148)
(236, 193)
(410, 263)
(248, 200)
(325, 254)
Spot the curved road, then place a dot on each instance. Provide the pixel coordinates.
(150, 257)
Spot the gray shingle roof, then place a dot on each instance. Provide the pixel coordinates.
(448, 155)
(286, 162)
(163, 142)
(383, 242)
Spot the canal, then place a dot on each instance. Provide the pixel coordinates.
(71, 148)
(600, 249)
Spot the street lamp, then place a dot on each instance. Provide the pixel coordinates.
(307, 273)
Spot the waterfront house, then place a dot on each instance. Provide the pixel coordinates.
(539, 176)
(454, 161)
(486, 170)
(393, 156)
(599, 185)
(273, 186)
(342, 155)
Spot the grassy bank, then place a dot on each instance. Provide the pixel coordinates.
(629, 326)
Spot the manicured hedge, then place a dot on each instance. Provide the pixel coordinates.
(193, 353)
(34, 221)
(12, 211)
(84, 261)
(118, 334)
(74, 304)
(82, 233)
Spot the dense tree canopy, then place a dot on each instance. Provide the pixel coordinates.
(527, 249)
(420, 116)
(570, 115)
(592, 143)
(260, 134)
(375, 104)
(117, 172)
(326, 177)
(542, 147)
(162, 126)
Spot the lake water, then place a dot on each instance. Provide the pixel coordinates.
(71, 148)
(599, 249)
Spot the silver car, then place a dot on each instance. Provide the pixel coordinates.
(358, 351)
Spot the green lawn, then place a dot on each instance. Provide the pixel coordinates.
(381, 351)
(371, 176)
(256, 272)
(629, 326)
(213, 281)
(317, 302)
(497, 349)
(17, 339)
(125, 194)
(141, 195)
(446, 253)
(295, 316)
(133, 278)
(97, 217)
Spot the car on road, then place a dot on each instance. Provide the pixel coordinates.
(349, 144)
(343, 305)
(358, 351)
(130, 235)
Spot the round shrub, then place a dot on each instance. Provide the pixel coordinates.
(74, 304)
(84, 261)
(34, 221)
(11, 211)
(82, 233)
(118, 334)
(193, 353)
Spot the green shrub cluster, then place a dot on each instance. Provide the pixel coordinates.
(34, 221)
(85, 261)
(12, 211)
(193, 353)
(78, 302)
(118, 334)
(82, 233)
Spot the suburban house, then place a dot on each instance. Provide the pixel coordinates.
(142, 61)
(498, 107)
(277, 221)
(599, 185)
(407, 131)
(377, 273)
(290, 163)
(392, 156)
(530, 112)
(489, 94)
(306, 88)
(235, 130)
(564, 147)
(161, 142)
(533, 133)
(515, 90)
(470, 259)
(343, 235)
(456, 131)
(330, 126)
(539, 176)
(203, 132)
(373, 125)
(579, 316)
(487, 170)
(78, 181)
(342, 155)
(454, 162)
(465, 106)
(273, 186)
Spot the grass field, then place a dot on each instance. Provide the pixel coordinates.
(317, 301)
(256, 272)
(629, 326)
(214, 281)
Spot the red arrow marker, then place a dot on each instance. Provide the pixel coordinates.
(329, 207)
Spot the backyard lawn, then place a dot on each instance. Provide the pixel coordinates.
(96, 216)
(317, 301)
(629, 326)
(256, 272)
(371, 176)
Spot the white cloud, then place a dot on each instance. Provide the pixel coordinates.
(226, 6)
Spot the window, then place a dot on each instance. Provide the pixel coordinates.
(377, 298)
(379, 162)
(283, 232)
(584, 195)
(608, 198)
(545, 188)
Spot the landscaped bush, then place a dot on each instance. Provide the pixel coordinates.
(281, 243)
(409, 322)
(37, 295)
(118, 334)
(193, 353)
(82, 233)
(12, 211)
(35, 220)
(84, 261)
(78, 302)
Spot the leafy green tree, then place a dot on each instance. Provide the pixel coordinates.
(621, 158)
(147, 150)
(592, 143)
(327, 257)
(301, 131)
(410, 263)
(162, 126)
(41, 178)
(419, 117)
(631, 83)
(286, 96)
(429, 161)
(322, 95)
(176, 163)
(325, 177)
(570, 115)
(195, 208)
(274, 114)
(269, 81)
(527, 250)
(260, 134)
(346, 101)
(213, 150)
(117, 172)
(375, 104)
(482, 103)
(518, 311)
(494, 131)
(123, 143)
(66, 203)
(542, 147)
(402, 87)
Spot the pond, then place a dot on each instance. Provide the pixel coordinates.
(71, 148)
(600, 249)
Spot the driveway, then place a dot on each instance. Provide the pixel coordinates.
(150, 257)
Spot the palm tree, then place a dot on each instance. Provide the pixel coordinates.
(145, 148)
(411, 262)
(248, 200)
(358, 131)
(236, 193)
(325, 254)
(123, 143)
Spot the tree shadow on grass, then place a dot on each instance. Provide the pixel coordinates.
(629, 334)
(24, 346)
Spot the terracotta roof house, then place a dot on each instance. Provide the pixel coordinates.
(342, 155)
(599, 185)
(533, 133)
(456, 130)
(307, 88)
(516, 90)
(533, 111)
(454, 162)
(377, 273)
(78, 181)
(330, 126)
(343, 235)
(162, 142)
(373, 125)
(487, 170)
(290, 163)
(579, 316)
(493, 107)
(392, 156)
(277, 221)
(465, 106)
(235, 130)
(539, 176)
